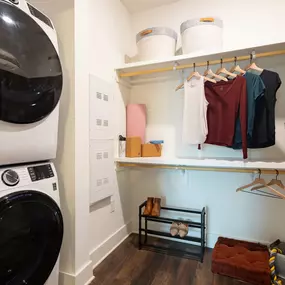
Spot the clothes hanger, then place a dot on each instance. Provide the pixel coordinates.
(208, 78)
(224, 71)
(263, 193)
(257, 181)
(282, 196)
(209, 72)
(273, 182)
(252, 65)
(236, 68)
(194, 74)
(275, 191)
(262, 182)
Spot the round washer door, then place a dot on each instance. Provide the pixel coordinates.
(30, 70)
(31, 232)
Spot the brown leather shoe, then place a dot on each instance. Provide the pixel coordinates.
(149, 206)
(156, 207)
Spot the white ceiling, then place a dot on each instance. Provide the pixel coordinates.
(135, 6)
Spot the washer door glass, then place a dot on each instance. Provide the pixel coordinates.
(30, 69)
(31, 230)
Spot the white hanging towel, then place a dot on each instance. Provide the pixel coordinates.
(195, 127)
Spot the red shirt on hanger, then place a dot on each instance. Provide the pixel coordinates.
(227, 101)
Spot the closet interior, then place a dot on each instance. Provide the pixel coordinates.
(201, 127)
(153, 85)
(168, 105)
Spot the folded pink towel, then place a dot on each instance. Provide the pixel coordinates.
(136, 121)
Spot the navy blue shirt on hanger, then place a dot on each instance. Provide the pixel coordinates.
(255, 90)
(263, 134)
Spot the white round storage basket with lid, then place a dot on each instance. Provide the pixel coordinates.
(156, 43)
(202, 35)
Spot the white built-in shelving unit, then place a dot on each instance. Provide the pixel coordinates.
(154, 69)
(174, 63)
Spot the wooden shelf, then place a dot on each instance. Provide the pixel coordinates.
(202, 164)
(167, 64)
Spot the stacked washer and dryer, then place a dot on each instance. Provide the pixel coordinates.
(31, 225)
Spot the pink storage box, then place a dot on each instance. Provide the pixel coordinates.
(136, 121)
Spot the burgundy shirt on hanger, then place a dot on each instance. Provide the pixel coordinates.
(227, 101)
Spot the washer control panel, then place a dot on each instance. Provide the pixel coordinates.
(40, 172)
(10, 177)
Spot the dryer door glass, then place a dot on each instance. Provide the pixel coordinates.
(31, 230)
(30, 70)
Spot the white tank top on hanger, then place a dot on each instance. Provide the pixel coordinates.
(195, 127)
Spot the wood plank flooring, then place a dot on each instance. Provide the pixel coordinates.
(127, 265)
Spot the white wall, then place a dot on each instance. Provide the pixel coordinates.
(65, 156)
(142, 5)
(75, 263)
(94, 38)
(165, 115)
(62, 16)
(246, 23)
(110, 30)
(230, 214)
(254, 33)
(83, 264)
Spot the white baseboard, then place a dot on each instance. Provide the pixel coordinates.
(84, 276)
(212, 239)
(66, 278)
(90, 280)
(99, 253)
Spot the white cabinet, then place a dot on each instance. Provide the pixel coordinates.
(101, 169)
(101, 140)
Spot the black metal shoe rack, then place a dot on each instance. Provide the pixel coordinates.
(185, 251)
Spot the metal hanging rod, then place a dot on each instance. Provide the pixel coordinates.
(199, 64)
(215, 169)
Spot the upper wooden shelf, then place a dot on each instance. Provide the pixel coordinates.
(186, 61)
(202, 164)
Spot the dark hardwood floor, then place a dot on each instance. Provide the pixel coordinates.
(127, 265)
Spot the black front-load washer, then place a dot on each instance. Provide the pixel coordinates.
(30, 70)
(31, 232)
